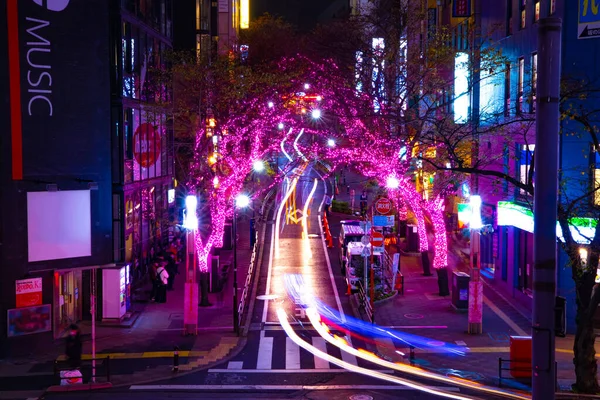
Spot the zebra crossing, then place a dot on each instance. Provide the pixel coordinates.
(273, 351)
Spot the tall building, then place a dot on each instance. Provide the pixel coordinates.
(87, 160)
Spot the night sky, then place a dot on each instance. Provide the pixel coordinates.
(304, 14)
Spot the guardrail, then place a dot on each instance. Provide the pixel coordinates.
(364, 302)
(253, 260)
(501, 368)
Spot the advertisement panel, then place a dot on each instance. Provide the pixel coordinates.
(589, 19)
(59, 86)
(29, 320)
(28, 292)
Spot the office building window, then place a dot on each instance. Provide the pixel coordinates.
(507, 90)
(526, 164)
(509, 18)
(536, 11)
(596, 176)
(523, 13)
(533, 81)
(520, 85)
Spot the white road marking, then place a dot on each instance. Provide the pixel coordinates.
(293, 371)
(265, 353)
(292, 354)
(320, 344)
(460, 343)
(284, 387)
(504, 317)
(349, 358)
(235, 365)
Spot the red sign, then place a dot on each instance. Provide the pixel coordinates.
(146, 145)
(461, 9)
(376, 239)
(29, 292)
(383, 206)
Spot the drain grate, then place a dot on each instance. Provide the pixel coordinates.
(360, 397)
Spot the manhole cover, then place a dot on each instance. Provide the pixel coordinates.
(413, 316)
(360, 397)
(267, 297)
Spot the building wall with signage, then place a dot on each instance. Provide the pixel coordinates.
(143, 151)
(514, 28)
(55, 175)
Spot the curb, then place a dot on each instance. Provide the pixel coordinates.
(79, 387)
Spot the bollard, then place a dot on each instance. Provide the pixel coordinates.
(411, 356)
(176, 359)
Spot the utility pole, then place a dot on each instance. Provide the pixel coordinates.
(93, 312)
(545, 208)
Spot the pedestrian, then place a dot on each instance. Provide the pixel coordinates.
(328, 200)
(162, 280)
(171, 270)
(73, 347)
(153, 280)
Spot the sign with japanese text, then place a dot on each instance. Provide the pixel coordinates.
(29, 292)
(223, 5)
(461, 8)
(589, 19)
(383, 206)
(383, 220)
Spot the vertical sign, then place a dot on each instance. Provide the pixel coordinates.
(223, 6)
(461, 9)
(589, 19)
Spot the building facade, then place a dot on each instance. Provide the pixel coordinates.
(87, 160)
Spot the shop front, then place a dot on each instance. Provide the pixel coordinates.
(67, 304)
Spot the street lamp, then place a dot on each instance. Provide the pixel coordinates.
(258, 166)
(190, 308)
(392, 182)
(241, 201)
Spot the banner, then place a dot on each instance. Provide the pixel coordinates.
(29, 320)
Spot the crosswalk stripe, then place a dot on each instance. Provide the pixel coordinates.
(235, 365)
(320, 344)
(292, 354)
(265, 353)
(349, 358)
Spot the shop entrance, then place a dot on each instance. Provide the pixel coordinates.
(67, 300)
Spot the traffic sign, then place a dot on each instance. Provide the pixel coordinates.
(383, 206)
(588, 26)
(365, 240)
(376, 239)
(366, 252)
(383, 220)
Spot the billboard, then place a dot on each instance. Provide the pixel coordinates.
(59, 89)
(29, 320)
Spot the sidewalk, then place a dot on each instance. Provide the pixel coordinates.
(144, 351)
(421, 311)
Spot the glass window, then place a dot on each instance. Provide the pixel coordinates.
(507, 90)
(525, 163)
(552, 6)
(520, 85)
(523, 13)
(536, 14)
(596, 167)
(534, 76)
(509, 18)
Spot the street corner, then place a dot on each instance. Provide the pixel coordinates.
(225, 348)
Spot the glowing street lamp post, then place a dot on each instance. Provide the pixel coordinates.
(475, 285)
(190, 303)
(241, 201)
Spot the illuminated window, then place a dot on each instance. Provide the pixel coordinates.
(536, 14)
(523, 13)
(520, 85)
(461, 88)
(507, 90)
(509, 18)
(552, 6)
(526, 157)
(533, 80)
(596, 168)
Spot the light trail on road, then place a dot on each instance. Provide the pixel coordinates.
(283, 148)
(283, 320)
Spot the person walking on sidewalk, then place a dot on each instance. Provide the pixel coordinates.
(162, 279)
(73, 347)
(328, 200)
(171, 270)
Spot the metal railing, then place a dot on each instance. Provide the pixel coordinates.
(364, 302)
(253, 260)
(501, 368)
